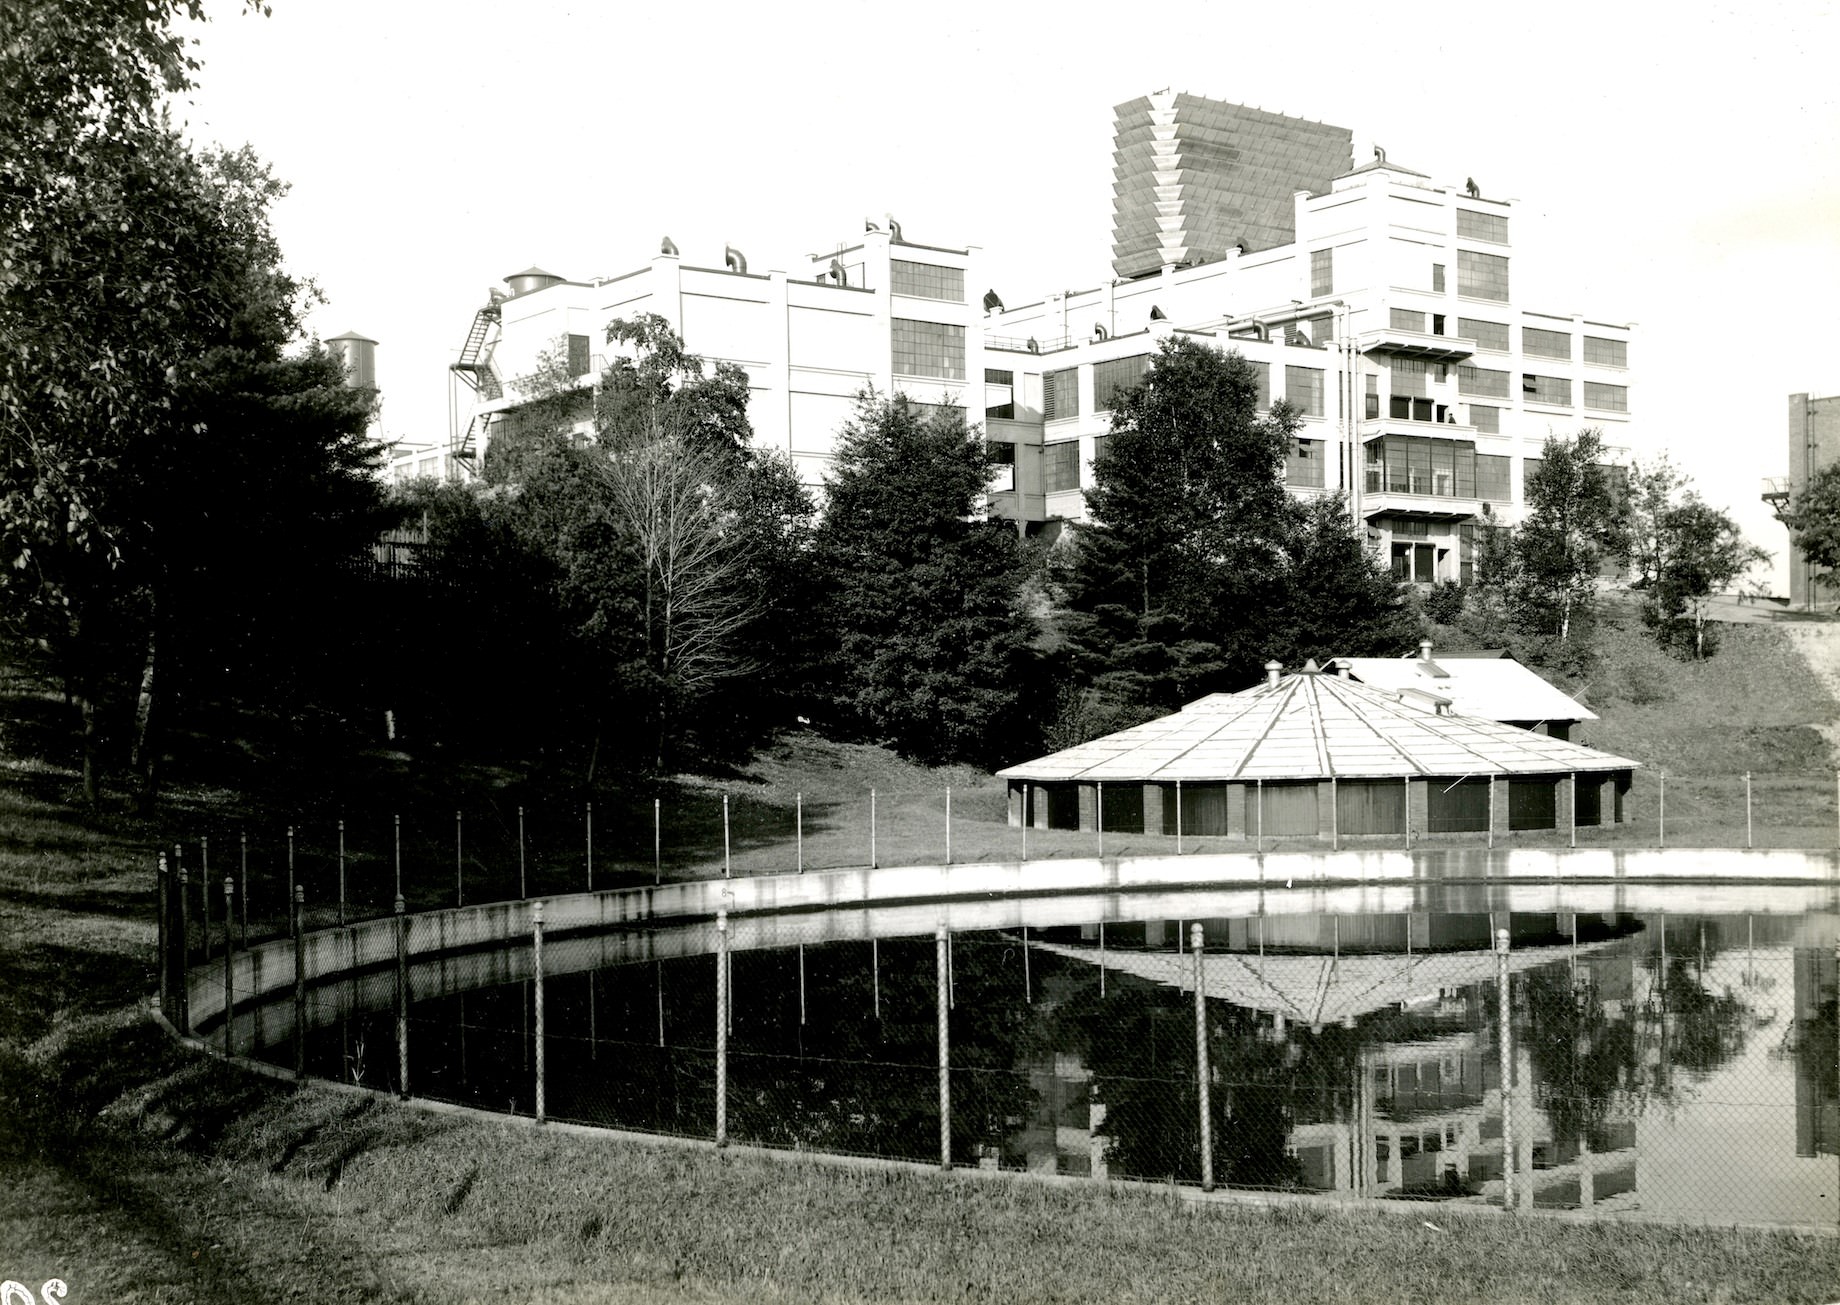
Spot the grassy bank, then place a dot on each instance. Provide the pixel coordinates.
(139, 1172)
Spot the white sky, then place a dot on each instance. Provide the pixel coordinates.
(1677, 167)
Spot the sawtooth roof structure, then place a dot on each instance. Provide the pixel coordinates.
(1311, 725)
(1498, 688)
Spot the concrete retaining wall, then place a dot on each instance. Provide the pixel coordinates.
(1350, 881)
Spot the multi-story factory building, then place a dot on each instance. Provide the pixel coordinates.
(1386, 316)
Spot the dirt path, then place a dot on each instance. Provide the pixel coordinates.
(1819, 645)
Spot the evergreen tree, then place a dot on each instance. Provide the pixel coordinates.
(158, 442)
(1199, 564)
(931, 646)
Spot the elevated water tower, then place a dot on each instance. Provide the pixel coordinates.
(359, 354)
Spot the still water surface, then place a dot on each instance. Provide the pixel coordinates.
(1681, 1062)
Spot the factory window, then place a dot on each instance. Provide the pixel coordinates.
(1405, 319)
(1264, 373)
(578, 355)
(1546, 344)
(1409, 375)
(928, 349)
(1322, 272)
(1415, 464)
(1492, 479)
(1482, 276)
(1006, 379)
(1303, 389)
(1606, 398)
(1482, 382)
(1060, 466)
(1490, 336)
(1606, 353)
(1060, 394)
(1437, 278)
(1556, 390)
(925, 281)
(1492, 227)
(1115, 375)
(1372, 409)
(1304, 464)
(1485, 418)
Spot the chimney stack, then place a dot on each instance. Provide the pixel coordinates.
(1272, 670)
(1424, 650)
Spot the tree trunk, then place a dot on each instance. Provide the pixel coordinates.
(92, 748)
(143, 709)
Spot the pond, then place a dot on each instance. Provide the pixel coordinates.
(1674, 1055)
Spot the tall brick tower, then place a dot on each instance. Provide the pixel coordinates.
(1194, 177)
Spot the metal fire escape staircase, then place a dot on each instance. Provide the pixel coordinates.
(474, 367)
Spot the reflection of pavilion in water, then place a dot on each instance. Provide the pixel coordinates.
(1418, 1117)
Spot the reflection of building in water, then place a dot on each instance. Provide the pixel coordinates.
(1419, 1111)
(1811, 1037)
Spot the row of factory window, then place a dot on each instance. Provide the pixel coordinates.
(1060, 389)
(1537, 342)
(1556, 391)
(1395, 464)
(1409, 399)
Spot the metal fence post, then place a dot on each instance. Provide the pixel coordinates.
(944, 1006)
(658, 841)
(290, 841)
(459, 865)
(204, 894)
(722, 1027)
(185, 952)
(948, 824)
(536, 974)
(727, 864)
(1661, 809)
(243, 883)
(523, 883)
(872, 829)
(229, 960)
(341, 870)
(397, 821)
(1099, 814)
(1028, 816)
(1203, 1069)
(590, 847)
(1506, 1049)
(1747, 809)
(1571, 811)
(300, 983)
(798, 815)
(163, 934)
(1408, 813)
(1178, 817)
(402, 1000)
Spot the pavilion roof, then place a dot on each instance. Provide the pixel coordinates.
(1312, 725)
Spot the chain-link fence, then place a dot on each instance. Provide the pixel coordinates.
(354, 869)
(1605, 1061)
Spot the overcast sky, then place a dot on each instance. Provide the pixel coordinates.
(1678, 168)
